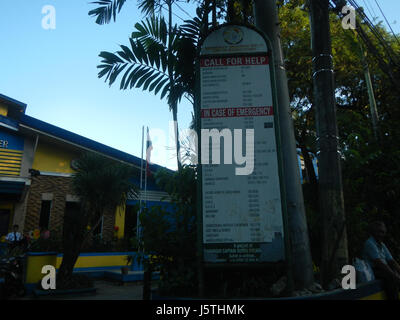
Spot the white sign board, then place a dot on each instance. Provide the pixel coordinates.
(242, 210)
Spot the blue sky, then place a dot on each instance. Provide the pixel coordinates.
(54, 72)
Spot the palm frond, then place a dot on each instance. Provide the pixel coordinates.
(149, 7)
(152, 31)
(192, 29)
(144, 68)
(107, 10)
(147, 62)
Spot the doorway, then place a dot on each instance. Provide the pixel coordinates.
(130, 221)
(5, 215)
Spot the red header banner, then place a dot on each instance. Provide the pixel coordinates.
(234, 61)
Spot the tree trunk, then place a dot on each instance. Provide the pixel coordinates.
(147, 281)
(312, 178)
(214, 13)
(177, 142)
(231, 14)
(70, 256)
(73, 236)
(171, 100)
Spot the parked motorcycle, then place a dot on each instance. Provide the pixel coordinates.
(11, 269)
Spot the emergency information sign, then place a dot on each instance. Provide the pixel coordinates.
(241, 207)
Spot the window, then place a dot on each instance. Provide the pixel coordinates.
(45, 214)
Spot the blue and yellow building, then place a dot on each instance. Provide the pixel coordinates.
(36, 168)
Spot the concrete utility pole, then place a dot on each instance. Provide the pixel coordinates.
(372, 102)
(266, 19)
(331, 203)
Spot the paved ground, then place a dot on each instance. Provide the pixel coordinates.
(106, 290)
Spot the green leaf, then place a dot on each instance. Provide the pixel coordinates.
(136, 75)
(128, 53)
(165, 90)
(156, 82)
(148, 81)
(115, 72)
(124, 85)
(160, 85)
(144, 78)
(110, 58)
(108, 9)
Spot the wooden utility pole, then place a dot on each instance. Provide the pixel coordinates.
(266, 19)
(334, 238)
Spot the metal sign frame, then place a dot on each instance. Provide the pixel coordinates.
(200, 248)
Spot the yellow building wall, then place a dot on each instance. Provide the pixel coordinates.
(3, 110)
(35, 263)
(96, 261)
(53, 159)
(10, 162)
(50, 158)
(376, 296)
(120, 221)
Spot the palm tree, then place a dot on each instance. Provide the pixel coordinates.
(160, 58)
(101, 184)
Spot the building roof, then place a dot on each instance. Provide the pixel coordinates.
(48, 129)
(13, 102)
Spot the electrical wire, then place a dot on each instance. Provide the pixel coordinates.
(375, 31)
(372, 8)
(380, 9)
(174, 14)
(373, 15)
(183, 10)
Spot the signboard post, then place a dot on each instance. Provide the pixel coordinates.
(242, 219)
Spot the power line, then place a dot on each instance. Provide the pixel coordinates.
(162, 6)
(373, 29)
(372, 8)
(183, 9)
(373, 15)
(380, 9)
(393, 57)
(367, 21)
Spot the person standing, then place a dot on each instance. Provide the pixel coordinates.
(14, 238)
